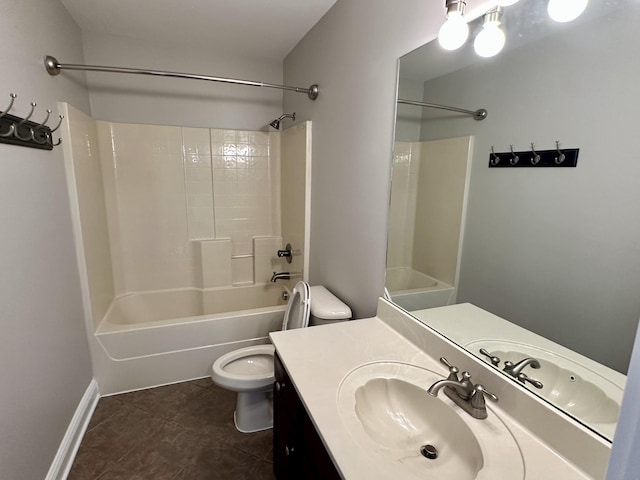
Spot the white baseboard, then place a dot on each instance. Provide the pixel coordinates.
(63, 460)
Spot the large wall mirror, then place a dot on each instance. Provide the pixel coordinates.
(553, 252)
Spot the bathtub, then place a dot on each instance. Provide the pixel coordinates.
(160, 337)
(414, 290)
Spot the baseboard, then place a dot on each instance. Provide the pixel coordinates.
(63, 460)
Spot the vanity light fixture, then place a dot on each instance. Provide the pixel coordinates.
(566, 10)
(454, 32)
(490, 40)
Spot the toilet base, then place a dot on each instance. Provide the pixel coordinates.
(254, 411)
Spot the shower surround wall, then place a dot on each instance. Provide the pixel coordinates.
(426, 225)
(167, 212)
(184, 204)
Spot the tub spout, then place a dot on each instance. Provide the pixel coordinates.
(284, 276)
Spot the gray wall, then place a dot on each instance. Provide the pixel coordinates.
(555, 250)
(190, 103)
(352, 54)
(44, 360)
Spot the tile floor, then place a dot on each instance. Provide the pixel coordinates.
(178, 432)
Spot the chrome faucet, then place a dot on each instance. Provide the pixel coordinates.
(469, 397)
(515, 370)
(284, 276)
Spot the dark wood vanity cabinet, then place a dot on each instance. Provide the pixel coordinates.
(298, 451)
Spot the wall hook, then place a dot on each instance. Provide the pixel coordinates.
(514, 158)
(16, 129)
(536, 158)
(13, 97)
(46, 134)
(61, 117)
(560, 158)
(495, 159)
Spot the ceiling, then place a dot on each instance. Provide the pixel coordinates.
(255, 28)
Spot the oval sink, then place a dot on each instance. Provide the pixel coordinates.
(576, 389)
(386, 408)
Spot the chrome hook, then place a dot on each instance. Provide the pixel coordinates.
(495, 159)
(46, 134)
(13, 97)
(61, 117)
(514, 158)
(21, 122)
(33, 107)
(560, 158)
(536, 158)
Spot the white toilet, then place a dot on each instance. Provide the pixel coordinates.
(249, 371)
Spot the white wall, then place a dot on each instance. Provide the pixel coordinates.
(44, 361)
(352, 54)
(188, 103)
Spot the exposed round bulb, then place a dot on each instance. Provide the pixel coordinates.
(490, 40)
(506, 3)
(454, 32)
(566, 10)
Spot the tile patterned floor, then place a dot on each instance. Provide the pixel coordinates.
(178, 432)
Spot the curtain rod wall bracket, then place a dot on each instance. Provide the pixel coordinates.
(54, 67)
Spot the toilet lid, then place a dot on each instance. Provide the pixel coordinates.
(297, 314)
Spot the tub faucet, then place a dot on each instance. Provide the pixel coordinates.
(284, 276)
(469, 397)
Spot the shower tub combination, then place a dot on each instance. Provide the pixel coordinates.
(160, 337)
(414, 290)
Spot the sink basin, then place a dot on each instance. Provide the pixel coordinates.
(576, 389)
(386, 408)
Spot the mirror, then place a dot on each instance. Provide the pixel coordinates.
(553, 252)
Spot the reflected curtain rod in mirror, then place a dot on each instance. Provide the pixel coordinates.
(479, 114)
(54, 67)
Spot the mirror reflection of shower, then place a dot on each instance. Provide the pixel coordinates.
(276, 123)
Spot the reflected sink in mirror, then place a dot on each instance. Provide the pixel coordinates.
(576, 389)
(386, 408)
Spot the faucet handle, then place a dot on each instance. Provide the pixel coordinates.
(453, 370)
(492, 358)
(523, 377)
(478, 396)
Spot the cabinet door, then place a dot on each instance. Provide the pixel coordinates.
(298, 451)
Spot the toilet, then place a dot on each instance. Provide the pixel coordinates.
(249, 370)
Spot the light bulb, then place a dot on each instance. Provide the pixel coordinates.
(490, 40)
(506, 3)
(566, 10)
(454, 32)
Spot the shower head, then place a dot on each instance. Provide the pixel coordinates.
(276, 123)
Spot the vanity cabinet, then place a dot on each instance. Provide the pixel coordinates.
(298, 451)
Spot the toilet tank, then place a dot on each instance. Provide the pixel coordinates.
(326, 307)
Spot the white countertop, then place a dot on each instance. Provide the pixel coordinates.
(318, 359)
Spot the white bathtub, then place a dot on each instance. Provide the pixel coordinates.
(160, 337)
(414, 290)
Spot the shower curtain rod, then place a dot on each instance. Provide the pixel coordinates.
(54, 67)
(479, 114)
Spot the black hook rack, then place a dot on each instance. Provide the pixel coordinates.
(23, 132)
(557, 157)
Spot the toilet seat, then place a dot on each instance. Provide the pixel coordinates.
(224, 377)
(298, 308)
